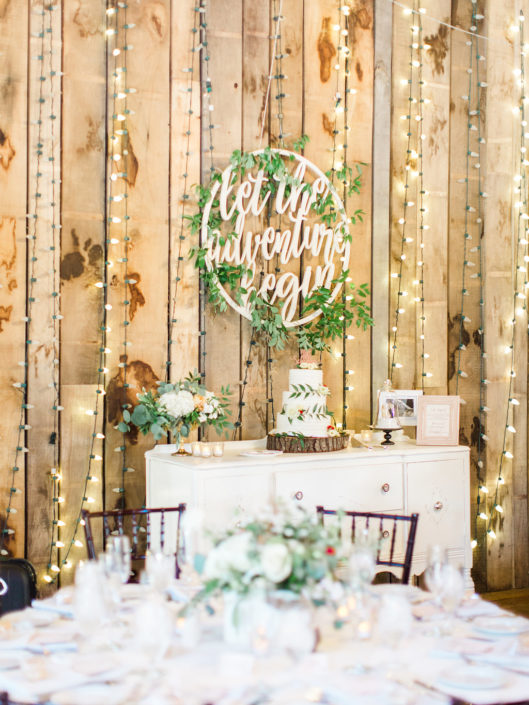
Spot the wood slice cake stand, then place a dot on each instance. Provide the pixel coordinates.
(307, 444)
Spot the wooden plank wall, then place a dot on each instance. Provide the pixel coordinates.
(167, 151)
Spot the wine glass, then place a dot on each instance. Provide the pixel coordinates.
(453, 587)
(434, 573)
(117, 558)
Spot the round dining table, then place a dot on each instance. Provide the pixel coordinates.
(400, 648)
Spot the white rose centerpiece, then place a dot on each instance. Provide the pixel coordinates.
(287, 551)
(177, 408)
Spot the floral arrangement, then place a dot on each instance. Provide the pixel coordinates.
(287, 551)
(308, 366)
(177, 408)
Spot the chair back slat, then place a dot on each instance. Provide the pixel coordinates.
(397, 519)
(148, 541)
(393, 538)
(135, 548)
(118, 516)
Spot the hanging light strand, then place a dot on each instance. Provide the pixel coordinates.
(31, 258)
(116, 218)
(279, 76)
(481, 486)
(407, 204)
(344, 46)
(184, 198)
(421, 202)
(55, 475)
(208, 149)
(522, 217)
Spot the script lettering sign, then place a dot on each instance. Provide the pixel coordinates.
(292, 232)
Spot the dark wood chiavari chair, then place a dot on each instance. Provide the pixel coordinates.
(114, 523)
(387, 530)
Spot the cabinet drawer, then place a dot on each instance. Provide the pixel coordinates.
(225, 499)
(373, 488)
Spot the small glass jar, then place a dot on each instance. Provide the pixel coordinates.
(218, 449)
(206, 450)
(196, 449)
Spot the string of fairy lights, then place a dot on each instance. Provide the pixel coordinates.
(342, 113)
(407, 203)
(473, 228)
(54, 189)
(44, 211)
(520, 279)
(184, 198)
(115, 252)
(207, 154)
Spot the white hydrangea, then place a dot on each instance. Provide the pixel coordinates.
(178, 404)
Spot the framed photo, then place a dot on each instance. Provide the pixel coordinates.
(438, 421)
(406, 404)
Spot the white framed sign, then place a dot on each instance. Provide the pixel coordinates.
(438, 420)
(302, 237)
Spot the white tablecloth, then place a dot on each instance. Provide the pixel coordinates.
(147, 655)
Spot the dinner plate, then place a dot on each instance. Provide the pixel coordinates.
(257, 453)
(473, 678)
(501, 625)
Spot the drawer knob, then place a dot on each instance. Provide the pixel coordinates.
(385, 487)
(385, 534)
(438, 506)
(299, 495)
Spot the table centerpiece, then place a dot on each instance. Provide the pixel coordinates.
(275, 562)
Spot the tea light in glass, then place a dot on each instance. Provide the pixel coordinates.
(218, 449)
(206, 450)
(195, 449)
(366, 435)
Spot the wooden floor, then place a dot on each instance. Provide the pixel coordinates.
(516, 601)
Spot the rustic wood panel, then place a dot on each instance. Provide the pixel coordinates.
(359, 149)
(43, 137)
(403, 377)
(381, 196)
(501, 96)
(293, 110)
(321, 82)
(224, 20)
(436, 161)
(13, 180)
(469, 359)
(185, 173)
(144, 282)
(82, 259)
(255, 71)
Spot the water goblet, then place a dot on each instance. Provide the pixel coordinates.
(433, 575)
(117, 558)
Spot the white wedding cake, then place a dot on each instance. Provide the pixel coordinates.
(304, 409)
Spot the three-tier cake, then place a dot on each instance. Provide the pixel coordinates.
(304, 425)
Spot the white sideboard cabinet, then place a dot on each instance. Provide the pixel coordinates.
(432, 481)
